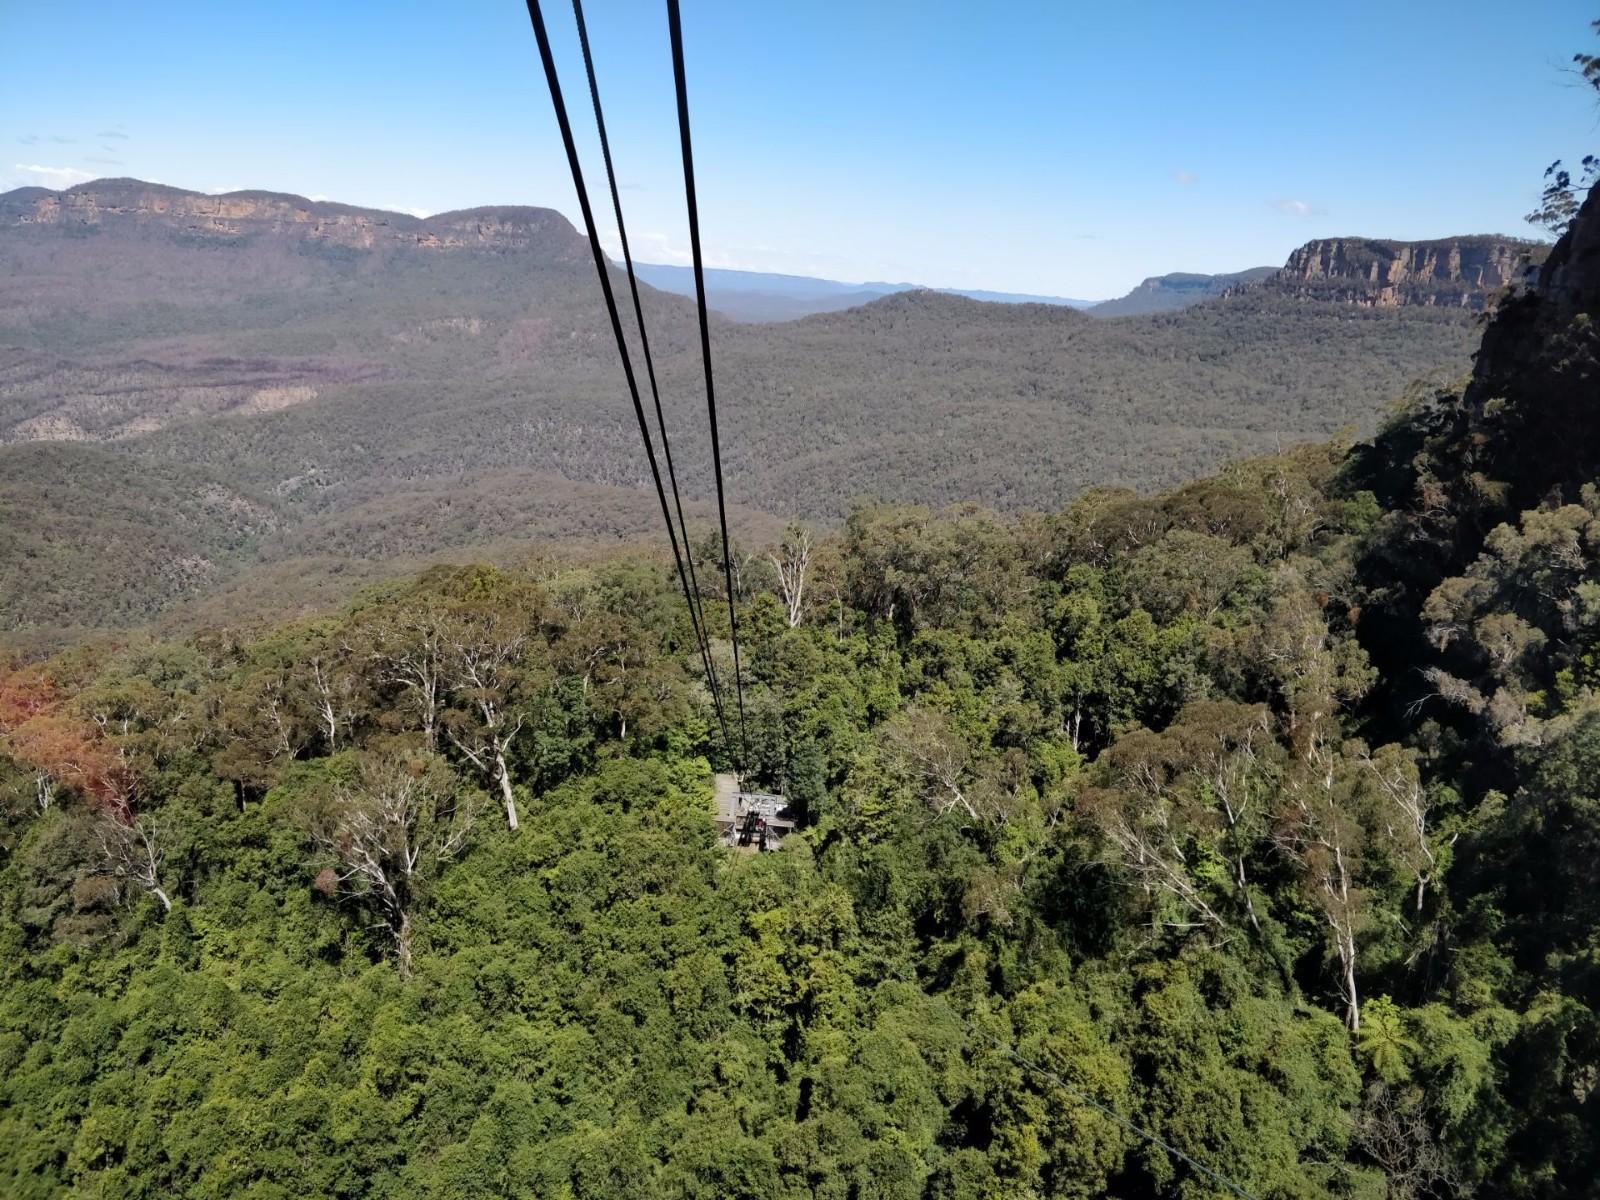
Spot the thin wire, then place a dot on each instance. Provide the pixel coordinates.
(676, 26)
(600, 265)
(1083, 1098)
(692, 589)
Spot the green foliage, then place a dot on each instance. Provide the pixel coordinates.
(1081, 821)
(369, 984)
(1384, 1043)
(1563, 195)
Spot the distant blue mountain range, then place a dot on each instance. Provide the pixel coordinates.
(764, 296)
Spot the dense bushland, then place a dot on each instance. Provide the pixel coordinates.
(424, 898)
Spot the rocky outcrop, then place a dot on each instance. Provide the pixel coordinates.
(138, 206)
(1461, 272)
(1570, 276)
(1523, 433)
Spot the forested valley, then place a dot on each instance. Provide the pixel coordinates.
(304, 396)
(1242, 836)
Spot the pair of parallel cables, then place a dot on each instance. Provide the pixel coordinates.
(682, 557)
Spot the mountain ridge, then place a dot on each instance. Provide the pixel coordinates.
(386, 393)
(258, 211)
(1176, 289)
(1464, 271)
(778, 296)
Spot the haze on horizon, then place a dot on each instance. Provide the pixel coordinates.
(1052, 149)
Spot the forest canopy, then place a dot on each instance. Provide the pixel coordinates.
(1109, 822)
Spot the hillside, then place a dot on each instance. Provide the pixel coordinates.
(764, 296)
(1163, 293)
(324, 361)
(1246, 835)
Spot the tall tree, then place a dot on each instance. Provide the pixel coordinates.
(388, 831)
(790, 559)
(493, 662)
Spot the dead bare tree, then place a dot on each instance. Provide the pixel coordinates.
(130, 851)
(790, 561)
(387, 833)
(325, 700)
(411, 655)
(1404, 806)
(484, 653)
(936, 758)
(1226, 776)
(1136, 818)
(337, 685)
(1395, 1130)
(44, 790)
(1174, 801)
(1319, 833)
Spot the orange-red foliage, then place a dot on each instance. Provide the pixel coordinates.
(25, 693)
(37, 733)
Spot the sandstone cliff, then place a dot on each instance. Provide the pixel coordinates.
(1461, 272)
(157, 209)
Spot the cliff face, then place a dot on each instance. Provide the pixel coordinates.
(1523, 433)
(133, 206)
(1464, 272)
(1571, 274)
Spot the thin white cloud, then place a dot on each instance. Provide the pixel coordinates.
(1296, 208)
(653, 246)
(1184, 176)
(650, 246)
(61, 141)
(112, 133)
(29, 139)
(59, 175)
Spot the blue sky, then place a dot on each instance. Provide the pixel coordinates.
(1056, 147)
